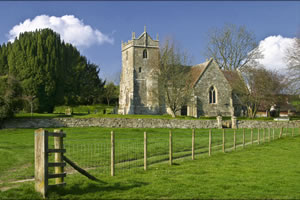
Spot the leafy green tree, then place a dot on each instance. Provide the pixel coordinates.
(111, 92)
(10, 101)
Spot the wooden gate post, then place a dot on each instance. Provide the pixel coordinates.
(269, 133)
(193, 144)
(145, 150)
(273, 134)
(58, 144)
(281, 130)
(41, 161)
(112, 154)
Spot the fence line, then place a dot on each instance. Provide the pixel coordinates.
(119, 155)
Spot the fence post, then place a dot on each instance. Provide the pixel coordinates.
(41, 161)
(281, 130)
(193, 144)
(273, 134)
(243, 137)
(234, 139)
(269, 133)
(58, 144)
(252, 136)
(209, 143)
(258, 136)
(223, 140)
(293, 131)
(170, 148)
(145, 150)
(112, 155)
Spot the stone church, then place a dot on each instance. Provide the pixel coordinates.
(213, 89)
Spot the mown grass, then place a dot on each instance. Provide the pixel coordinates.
(104, 111)
(269, 171)
(90, 147)
(98, 108)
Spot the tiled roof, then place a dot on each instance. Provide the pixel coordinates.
(235, 80)
(196, 72)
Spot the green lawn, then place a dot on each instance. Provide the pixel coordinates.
(267, 171)
(96, 111)
(90, 147)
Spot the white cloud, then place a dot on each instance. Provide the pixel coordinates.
(71, 29)
(274, 49)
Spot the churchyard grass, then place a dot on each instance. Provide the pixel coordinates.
(96, 111)
(83, 144)
(90, 146)
(269, 171)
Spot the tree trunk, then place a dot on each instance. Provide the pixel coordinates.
(31, 108)
(173, 114)
(107, 99)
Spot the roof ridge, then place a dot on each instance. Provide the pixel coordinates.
(204, 66)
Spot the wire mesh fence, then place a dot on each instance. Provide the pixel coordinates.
(132, 154)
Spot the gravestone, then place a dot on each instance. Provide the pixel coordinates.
(68, 111)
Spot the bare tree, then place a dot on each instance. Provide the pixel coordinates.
(293, 60)
(264, 88)
(174, 77)
(232, 47)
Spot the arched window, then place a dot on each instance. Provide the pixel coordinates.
(140, 69)
(145, 53)
(212, 95)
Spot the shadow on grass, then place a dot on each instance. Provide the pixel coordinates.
(92, 188)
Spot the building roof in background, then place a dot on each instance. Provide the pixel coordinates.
(197, 70)
(236, 81)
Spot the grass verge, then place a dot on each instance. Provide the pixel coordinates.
(269, 171)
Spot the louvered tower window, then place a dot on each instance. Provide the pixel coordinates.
(145, 53)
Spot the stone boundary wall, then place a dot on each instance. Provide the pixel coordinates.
(138, 123)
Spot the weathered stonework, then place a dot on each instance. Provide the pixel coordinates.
(138, 123)
(139, 91)
(138, 81)
(213, 77)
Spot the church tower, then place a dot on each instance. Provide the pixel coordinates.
(138, 82)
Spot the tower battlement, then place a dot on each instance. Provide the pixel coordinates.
(138, 83)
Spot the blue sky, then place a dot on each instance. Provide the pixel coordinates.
(187, 22)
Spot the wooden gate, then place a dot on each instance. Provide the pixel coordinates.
(41, 160)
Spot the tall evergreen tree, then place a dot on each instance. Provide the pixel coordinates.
(50, 70)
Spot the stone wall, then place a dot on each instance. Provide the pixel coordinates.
(267, 124)
(136, 123)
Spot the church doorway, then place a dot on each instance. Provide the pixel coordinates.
(183, 111)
